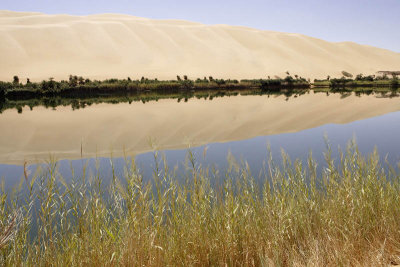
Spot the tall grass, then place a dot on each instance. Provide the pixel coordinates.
(348, 214)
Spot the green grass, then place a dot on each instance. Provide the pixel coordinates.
(294, 217)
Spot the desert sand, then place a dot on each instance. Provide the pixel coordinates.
(40, 46)
(106, 128)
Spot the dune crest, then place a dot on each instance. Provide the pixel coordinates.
(102, 46)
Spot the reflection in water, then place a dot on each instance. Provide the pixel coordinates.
(381, 131)
(83, 100)
(101, 128)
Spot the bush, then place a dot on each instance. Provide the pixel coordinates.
(394, 83)
(4, 87)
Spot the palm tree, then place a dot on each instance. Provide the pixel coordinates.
(73, 80)
(81, 80)
(15, 80)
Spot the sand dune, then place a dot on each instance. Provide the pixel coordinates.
(105, 127)
(40, 46)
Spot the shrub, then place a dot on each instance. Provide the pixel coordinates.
(394, 83)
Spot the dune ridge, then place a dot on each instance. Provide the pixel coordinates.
(40, 46)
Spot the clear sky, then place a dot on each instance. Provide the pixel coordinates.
(372, 22)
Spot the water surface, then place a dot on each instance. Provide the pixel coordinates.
(241, 125)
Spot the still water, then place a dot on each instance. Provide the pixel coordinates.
(240, 126)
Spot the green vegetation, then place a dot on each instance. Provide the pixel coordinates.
(79, 92)
(289, 81)
(84, 100)
(79, 85)
(360, 80)
(348, 215)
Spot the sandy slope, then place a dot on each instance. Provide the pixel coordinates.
(40, 46)
(105, 127)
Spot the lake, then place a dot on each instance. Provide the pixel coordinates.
(241, 126)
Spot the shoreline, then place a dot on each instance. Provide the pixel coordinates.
(80, 86)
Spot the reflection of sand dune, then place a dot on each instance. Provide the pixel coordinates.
(33, 134)
(40, 46)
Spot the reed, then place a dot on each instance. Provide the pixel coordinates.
(293, 215)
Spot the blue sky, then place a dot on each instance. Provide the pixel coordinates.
(372, 22)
